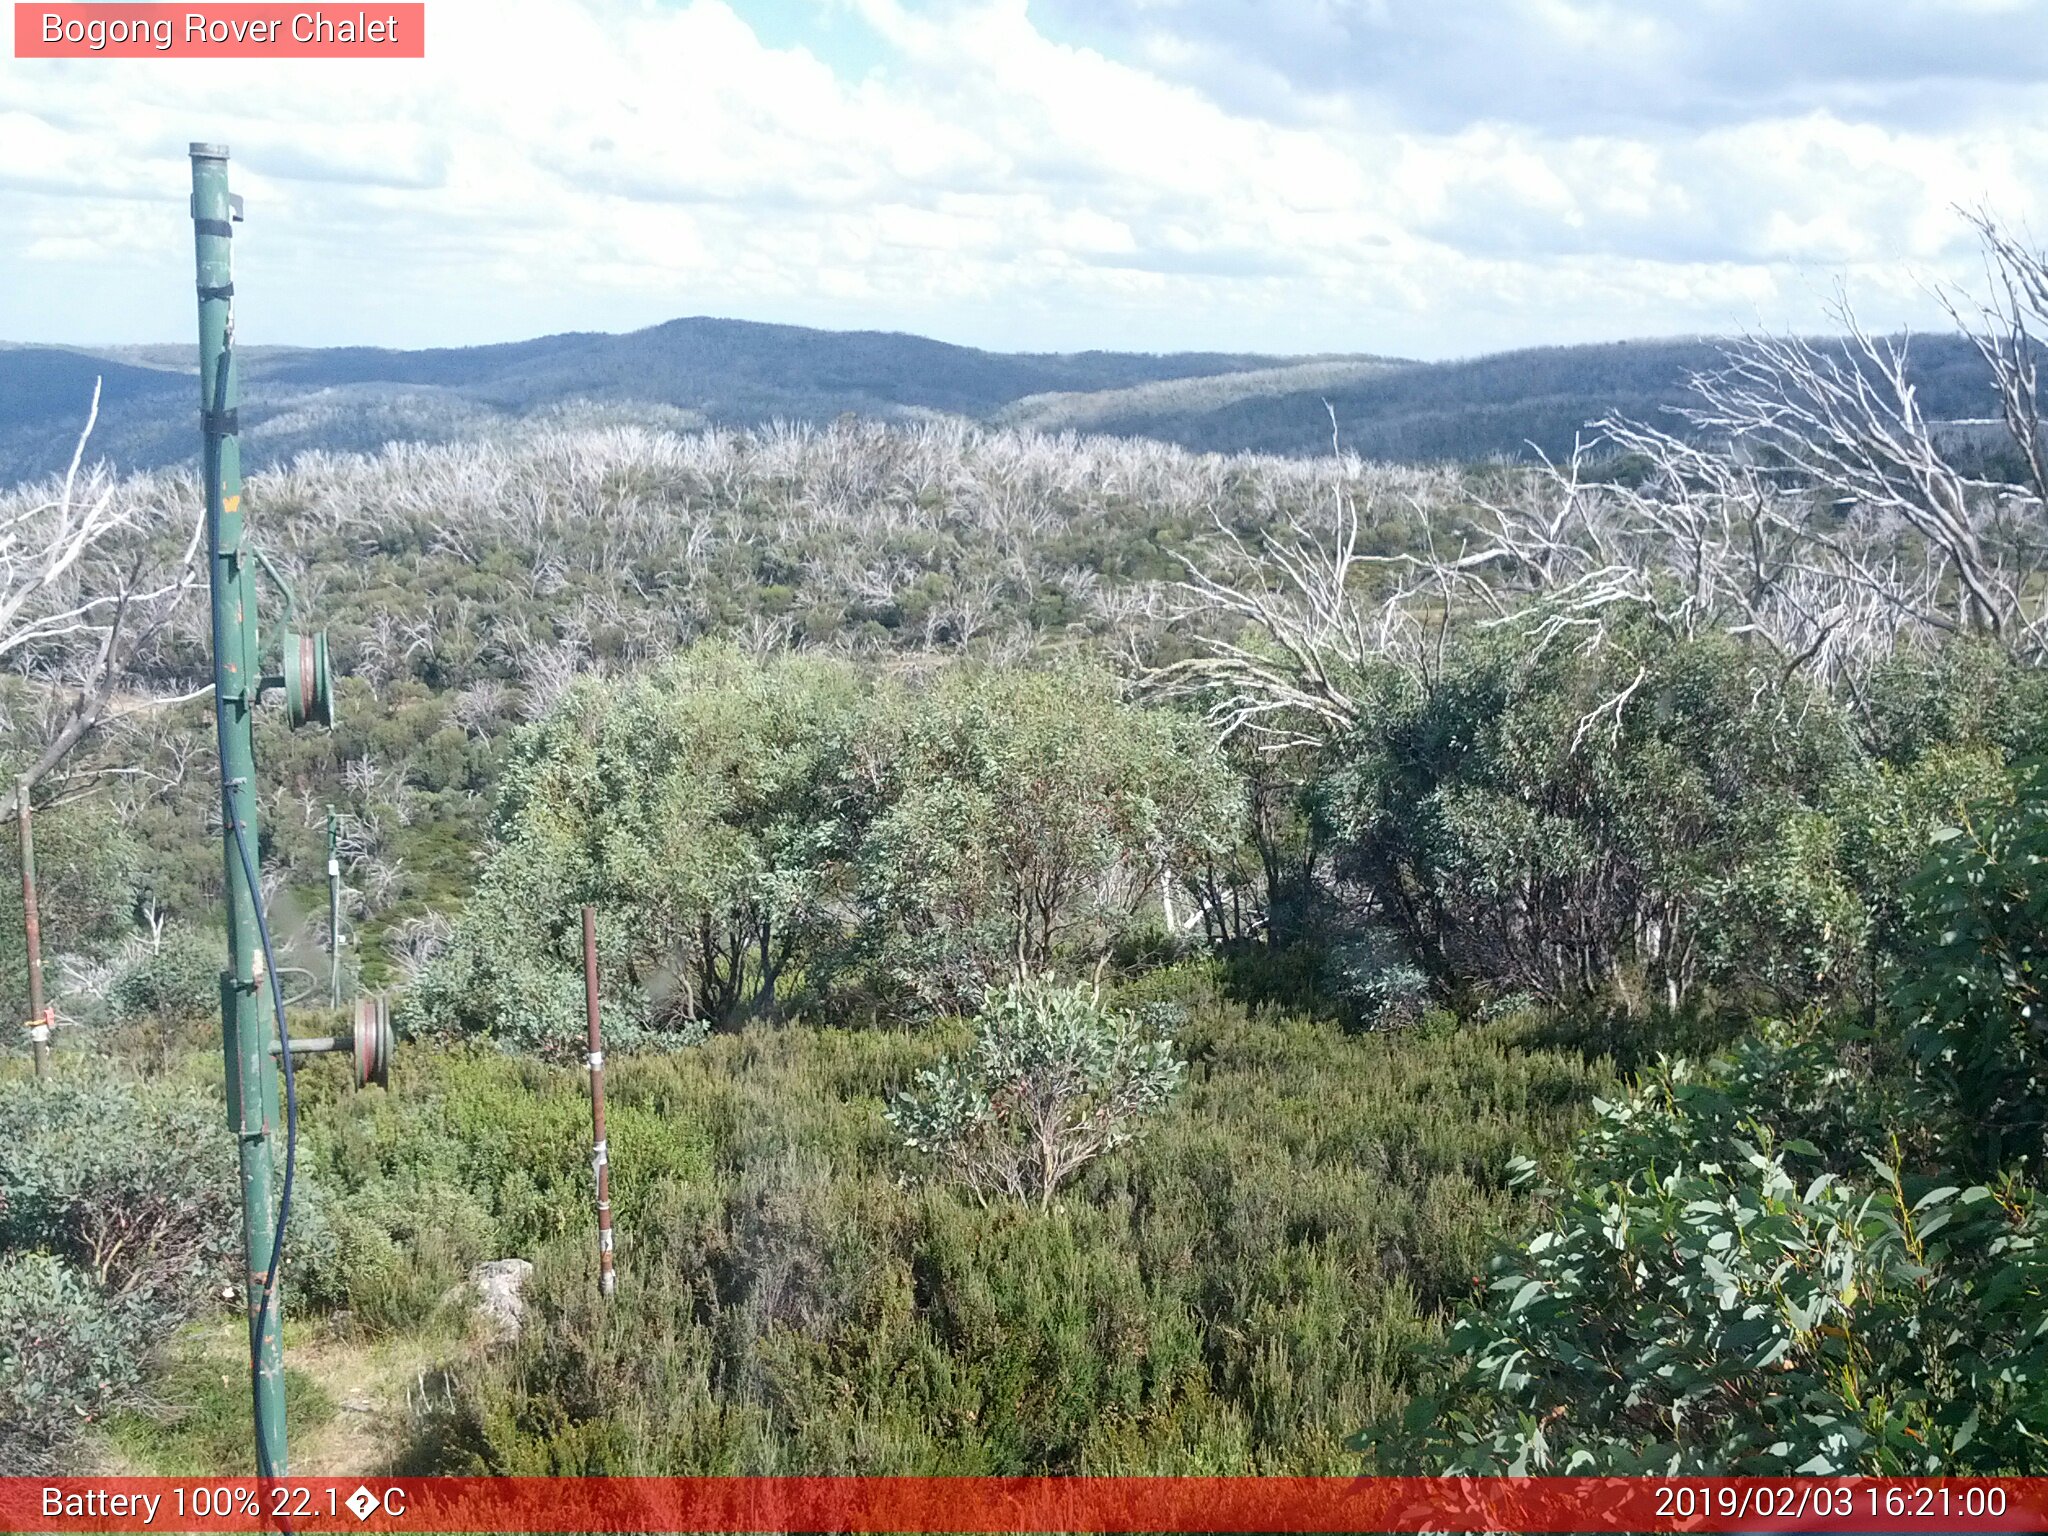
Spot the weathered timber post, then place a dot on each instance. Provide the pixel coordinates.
(600, 1154)
(333, 911)
(39, 1016)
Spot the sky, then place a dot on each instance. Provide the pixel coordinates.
(1424, 178)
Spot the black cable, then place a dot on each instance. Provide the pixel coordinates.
(266, 1463)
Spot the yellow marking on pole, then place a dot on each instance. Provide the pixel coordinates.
(231, 503)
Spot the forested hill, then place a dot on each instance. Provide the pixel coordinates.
(695, 372)
(1472, 408)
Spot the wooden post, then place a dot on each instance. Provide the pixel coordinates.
(333, 911)
(39, 1017)
(600, 1159)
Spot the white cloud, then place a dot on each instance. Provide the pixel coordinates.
(1325, 175)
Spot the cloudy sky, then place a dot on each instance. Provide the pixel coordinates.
(1432, 178)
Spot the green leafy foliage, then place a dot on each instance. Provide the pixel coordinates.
(133, 1182)
(1663, 821)
(1008, 821)
(171, 982)
(762, 835)
(689, 806)
(1052, 1081)
(1818, 1254)
(1234, 1290)
(480, 1156)
(1371, 974)
(73, 1356)
(118, 1220)
(86, 868)
(1975, 987)
(1709, 1293)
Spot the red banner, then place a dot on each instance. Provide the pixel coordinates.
(652, 1504)
(377, 30)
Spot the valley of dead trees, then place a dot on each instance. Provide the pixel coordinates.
(1803, 505)
(1803, 501)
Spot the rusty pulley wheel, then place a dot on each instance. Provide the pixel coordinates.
(308, 684)
(373, 1041)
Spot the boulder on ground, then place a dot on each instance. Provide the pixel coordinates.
(500, 1300)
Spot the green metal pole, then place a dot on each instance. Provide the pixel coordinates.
(333, 911)
(251, 1080)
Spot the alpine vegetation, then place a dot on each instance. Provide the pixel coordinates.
(1052, 1080)
(1114, 959)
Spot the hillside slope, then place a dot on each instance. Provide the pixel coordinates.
(689, 373)
(1477, 407)
(1116, 410)
(730, 372)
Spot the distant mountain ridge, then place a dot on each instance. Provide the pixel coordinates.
(699, 371)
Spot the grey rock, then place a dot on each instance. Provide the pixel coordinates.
(500, 1286)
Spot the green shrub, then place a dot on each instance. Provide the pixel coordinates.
(1708, 1292)
(69, 1356)
(1642, 821)
(1974, 984)
(477, 1156)
(176, 981)
(1381, 986)
(763, 836)
(87, 868)
(119, 1220)
(1004, 822)
(133, 1182)
(1235, 1291)
(1052, 1081)
(501, 981)
(394, 1251)
(687, 805)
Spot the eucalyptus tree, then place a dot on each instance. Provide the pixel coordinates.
(771, 832)
(1007, 822)
(686, 805)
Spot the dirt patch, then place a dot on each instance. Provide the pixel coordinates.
(345, 1398)
(368, 1383)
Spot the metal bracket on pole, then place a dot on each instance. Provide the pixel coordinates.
(277, 577)
(307, 678)
(370, 1043)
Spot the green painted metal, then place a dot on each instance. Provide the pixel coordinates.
(245, 1023)
(307, 683)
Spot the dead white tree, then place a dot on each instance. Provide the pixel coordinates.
(2008, 322)
(1300, 628)
(1288, 681)
(85, 584)
(1809, 507)
(1846, 421)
